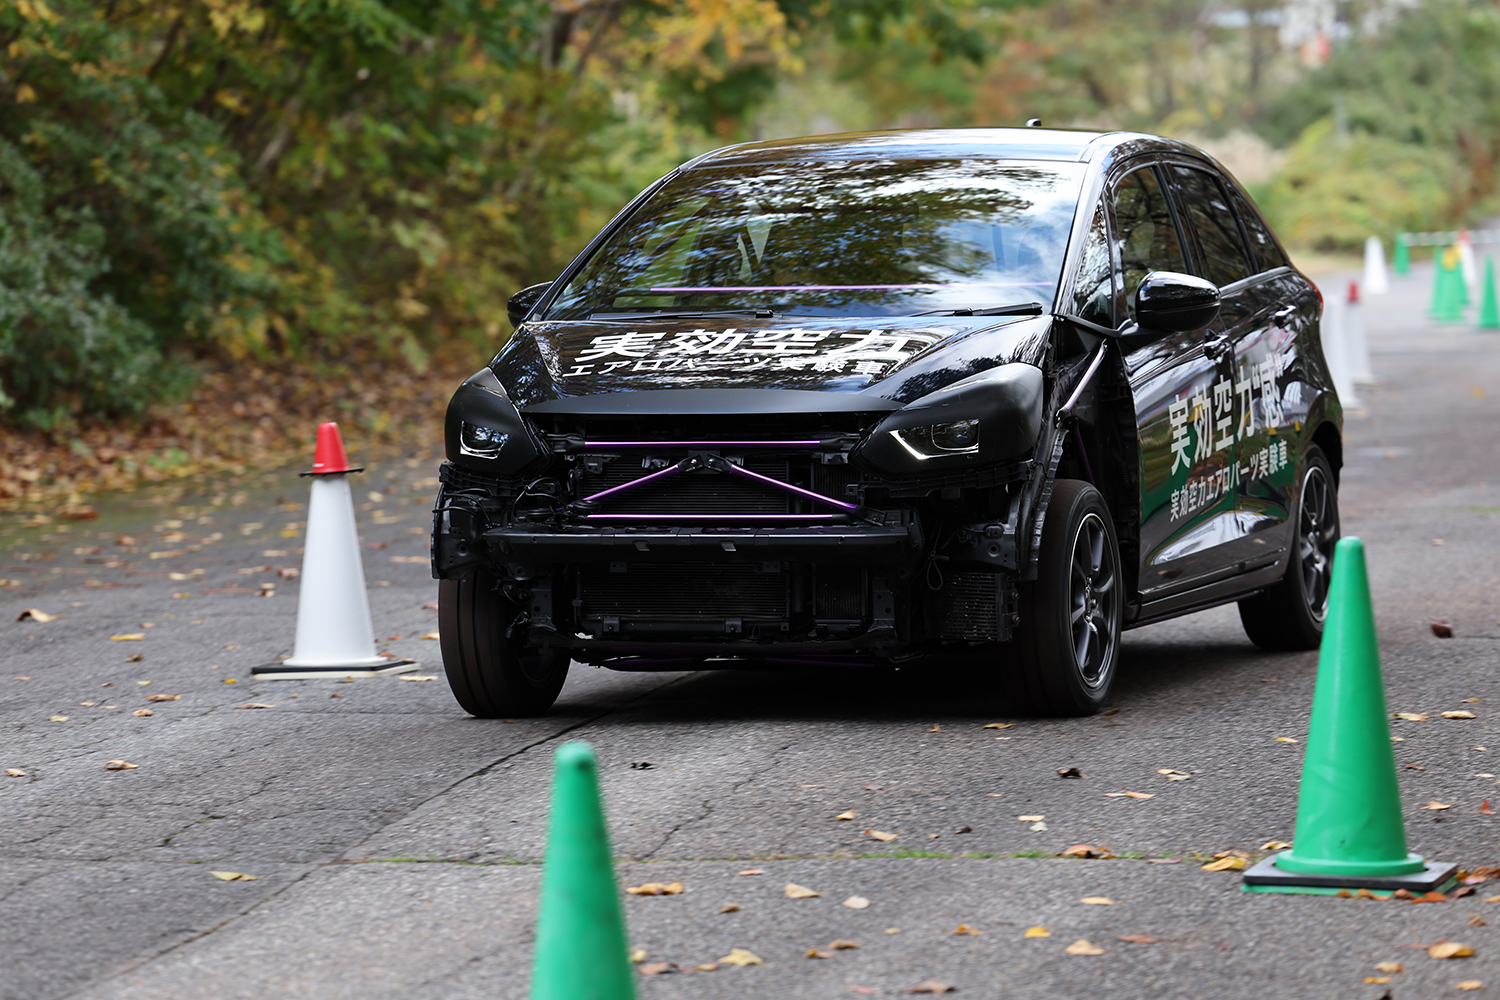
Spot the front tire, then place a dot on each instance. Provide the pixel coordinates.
(493, 676)
(1069, 641)
(1289, 615)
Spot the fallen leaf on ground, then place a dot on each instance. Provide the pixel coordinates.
(120, 765)
(430, 635)
(1037, 827)
(255, 704)
(741, 957)
(893, 930)
(935, 729)
(707, 967)
(1085, 851)
(1083, 947)
(1377, 979)
(1173, 774)
(795, 891)
(1475, 920)
(1435, 805)
(1069, 772)
(1031, 819)
(730, 908)
(58, 718)
(1130, 795)
(134, 658)
(1226, 864)
(1097, 901)
(840, 944)
(997, 725)
(932, 987)
(234, 877)
(751, 871)
(1389, 967)
(962, 829)
(1484, 807)
(658, 968)
(1492, 899)
(142, 712)
(1037, 932)
(637, 955)
(1441, 629)
(856, 902)
(656, 889)
(1411, 716)
(966, 929)
(1275, 845)
(16, 772)
(143, 683)
(847, 814)
(163, 697)
(419, 677)
(36, 614)
(866, 990)
(1137, 938)
(231, 680)
(815, 953)
(1449, 949)
(1286, 739)
(881, 835)
(1469, 984)
(128, 637)
(1164, 861)
(1460, 714)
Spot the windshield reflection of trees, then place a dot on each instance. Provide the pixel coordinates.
(974, 223)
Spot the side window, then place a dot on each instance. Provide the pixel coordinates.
(1206, 213)
(1093, 292)
(1144, 233)
(1267, 251)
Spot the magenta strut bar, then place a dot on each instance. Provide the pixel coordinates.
(712, 518)
(736, 470)
(704, 444)
(667, 473)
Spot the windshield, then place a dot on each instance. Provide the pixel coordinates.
(837, 238)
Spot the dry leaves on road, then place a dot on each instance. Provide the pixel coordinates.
(1450, 949)
(966, 929)
(658, 968)
(419, 677)
(16, 772)
(656, 889)
(1097, 901)
(815, 953)
(1286, 739)
(1226, 864)
(881, 835)
(1130, 795)
(1275, 845)
(1069, 772)
(430, 635)
(1469, 984)
(997, 725)
(1411, 716)
(234, 877)
(1037, 932)
(1137, 938)
(36, 614)
(1442, 630)
(58, 718)
(1086, 851)
(120, 765)
(1389, 967)
(255, 704)
(847, 814)
(840, 944)
(128, 637)
(930, 986)
(741, 957)
(795, 891)
(1172, 775)
(142, 713)
(856, 902)
(1460, 714)
(730, 908)
(163, 697)
(1435, 805)
(1083, 947)
(1034, 818)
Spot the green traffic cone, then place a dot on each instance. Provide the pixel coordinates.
(580, 931)
(1489, 307)
(1448, 293)
(1402, 264)
(1350, 832)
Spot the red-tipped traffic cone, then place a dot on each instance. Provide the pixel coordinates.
(335, 637)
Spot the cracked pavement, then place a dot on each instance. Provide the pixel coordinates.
(394, 841)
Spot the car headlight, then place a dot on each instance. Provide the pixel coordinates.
(940, 432)
(480, 441)
(484, 431)
(959, 437)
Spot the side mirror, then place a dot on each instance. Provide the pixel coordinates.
(520, 304)
(1173, 302)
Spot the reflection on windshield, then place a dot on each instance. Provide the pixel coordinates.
(839, 238)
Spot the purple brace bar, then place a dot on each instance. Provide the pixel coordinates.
(713, 518)
(704, 444)
(667, 473)
(735, 470)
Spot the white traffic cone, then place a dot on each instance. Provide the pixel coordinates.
(334, 635)
(1467, 265)
(1354, 339)
(1376, 280)
(1336, 350)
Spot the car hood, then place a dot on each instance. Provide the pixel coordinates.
(895, 358)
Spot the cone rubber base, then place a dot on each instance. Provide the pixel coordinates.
(282, 672)
(1266, 877)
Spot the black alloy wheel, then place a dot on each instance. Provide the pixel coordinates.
(1289, 615)
(1069, 642)
(494, 675)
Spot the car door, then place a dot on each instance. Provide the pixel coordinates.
(1253, 317)
(1183, 395)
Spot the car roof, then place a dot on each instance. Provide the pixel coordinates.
(1075, 145)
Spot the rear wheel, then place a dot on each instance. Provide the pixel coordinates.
(1069, 641)
(492, 675)
(1289, 615)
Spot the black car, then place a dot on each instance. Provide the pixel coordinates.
(894, 396)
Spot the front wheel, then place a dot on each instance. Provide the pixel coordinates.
(494, 676)
(1069, 641)
(1289, 615)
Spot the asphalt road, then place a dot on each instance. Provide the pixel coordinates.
(394, 841)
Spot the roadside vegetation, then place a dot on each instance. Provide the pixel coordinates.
(223, 220)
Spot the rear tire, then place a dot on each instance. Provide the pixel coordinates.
(1069, 640)
(1289, 615)
(493, 676)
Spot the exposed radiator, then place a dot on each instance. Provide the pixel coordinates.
(972, 607)
(685, 592)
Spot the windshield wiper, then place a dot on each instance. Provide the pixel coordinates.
(1016, 309)
(687, 314)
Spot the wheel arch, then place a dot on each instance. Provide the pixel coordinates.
(1327, 437)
